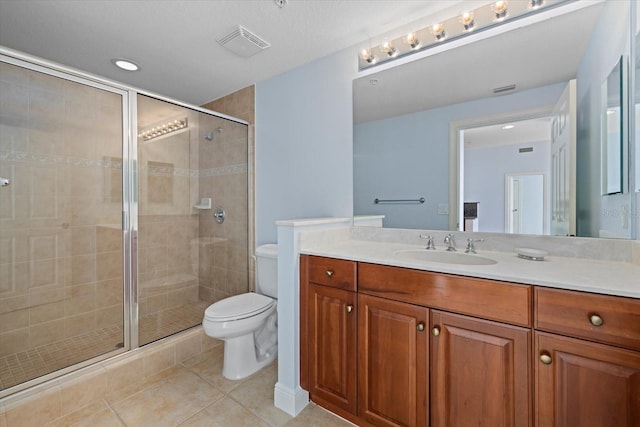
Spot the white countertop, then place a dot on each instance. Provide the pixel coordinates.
(603, 277)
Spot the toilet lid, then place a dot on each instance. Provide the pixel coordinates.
(238, 307)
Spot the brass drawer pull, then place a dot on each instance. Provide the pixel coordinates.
(329, 273)
(349, 308)
(435, 331)
(420, 327)
(596, 320)
(545, 358)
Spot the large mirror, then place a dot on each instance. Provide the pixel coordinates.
(502, 134)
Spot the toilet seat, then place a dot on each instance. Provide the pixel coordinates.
(238, 307)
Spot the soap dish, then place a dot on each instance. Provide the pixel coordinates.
(531, 254)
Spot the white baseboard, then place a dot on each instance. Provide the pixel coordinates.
(289, 400)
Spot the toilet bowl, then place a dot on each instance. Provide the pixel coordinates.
(247, 323)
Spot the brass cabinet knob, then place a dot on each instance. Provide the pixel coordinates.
(596, 320)
(435, 331)
(329, 273)
(420, 326)
(545, 358)
(349, 308)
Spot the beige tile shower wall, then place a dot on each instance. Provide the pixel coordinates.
(227, 175)
(167, 261)
(168, 223)
(60, 231)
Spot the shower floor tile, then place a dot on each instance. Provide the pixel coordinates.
(170, 321)
(24, 366)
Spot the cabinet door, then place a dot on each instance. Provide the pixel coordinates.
(332, 346)
(480, 372)
(580, 383)
(392, 363)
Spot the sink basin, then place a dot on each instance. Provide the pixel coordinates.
(444, 257)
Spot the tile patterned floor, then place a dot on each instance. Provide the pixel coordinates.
(193, 394)
(26, 365)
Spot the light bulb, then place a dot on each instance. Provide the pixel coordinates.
(500, 9)
(412, 40)
(368, 56)
(467, 21)
(389, 49)
(438, 31)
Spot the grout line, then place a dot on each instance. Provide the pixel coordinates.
(114, 412)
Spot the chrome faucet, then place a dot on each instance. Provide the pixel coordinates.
(450, 242)
(471, 249)
(430, 244)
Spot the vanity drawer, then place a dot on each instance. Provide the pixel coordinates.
(337, 273)
(604, 318)
(488, 299)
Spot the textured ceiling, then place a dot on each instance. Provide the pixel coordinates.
(174, 41)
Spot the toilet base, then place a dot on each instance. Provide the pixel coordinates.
(240, 358)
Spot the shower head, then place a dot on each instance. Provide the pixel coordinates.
(211, 134)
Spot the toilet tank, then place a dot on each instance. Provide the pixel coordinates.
(267, 270)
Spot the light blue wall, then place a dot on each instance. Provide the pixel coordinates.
(484, 178)
(408, 156)
(404, 157)
(304, 133)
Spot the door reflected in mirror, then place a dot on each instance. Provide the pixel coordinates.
(514, 191)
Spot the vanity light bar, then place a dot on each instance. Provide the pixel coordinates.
(481, 18)
(163, 129)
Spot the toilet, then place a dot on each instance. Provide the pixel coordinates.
(247, 323)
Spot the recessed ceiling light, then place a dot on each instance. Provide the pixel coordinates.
(125, 64)
(505, 127)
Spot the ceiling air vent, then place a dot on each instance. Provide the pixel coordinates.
(504, 89)
(243, 42)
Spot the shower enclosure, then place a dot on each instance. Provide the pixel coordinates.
(107, 235)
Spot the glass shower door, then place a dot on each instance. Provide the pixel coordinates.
(191, 164)
(61, 239)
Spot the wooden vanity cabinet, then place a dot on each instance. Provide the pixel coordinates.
(332, 355)
(328, 332)
(587, 359)
(390, 346)
(393, 376)
(586, 384)
(480, 372)
(480, 368)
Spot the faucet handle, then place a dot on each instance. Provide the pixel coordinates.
(470, 245)
(450, 241)
(430, 244)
